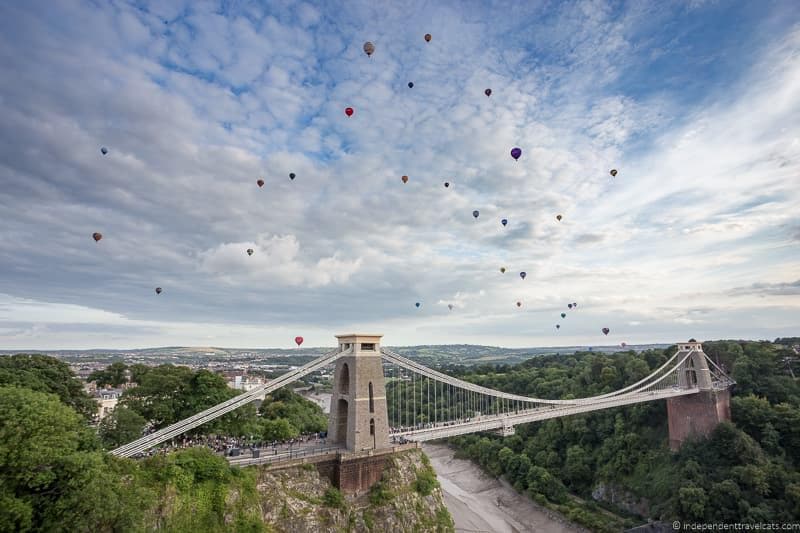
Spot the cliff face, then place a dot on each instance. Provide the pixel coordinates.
(407, 498)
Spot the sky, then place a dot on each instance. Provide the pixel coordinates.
(695, 103)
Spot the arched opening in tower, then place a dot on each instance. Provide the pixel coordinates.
(344, 379)
(341, 422)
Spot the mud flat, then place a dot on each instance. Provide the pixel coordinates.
(479, 503)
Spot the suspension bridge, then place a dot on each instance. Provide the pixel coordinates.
(381, 399)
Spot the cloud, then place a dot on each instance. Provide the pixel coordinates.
(768, 289)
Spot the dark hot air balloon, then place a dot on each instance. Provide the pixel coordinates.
(558, 217)
(411, 85)
(563, 315)
(260, 183)
(97, 236)
(516, 153)
(291, 175)
(502, 270)
(249, 251)
(428, 37)
(104, 150)
(569, 306)
(613, 172)
(348, 111)
(369, 48)
(450, 306)
(417, 304)
(623, 344)
(519, 304)
(446, 184)
(574, 304)
(405, 179)
(522, 275)
(605, 331)
(558, 326)
(158, 290)
(504, 222)
(298, 340)
(476, 213)
(488, 92)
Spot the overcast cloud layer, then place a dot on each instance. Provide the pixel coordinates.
(697, 104)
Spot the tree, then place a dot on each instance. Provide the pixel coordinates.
(278, 429)
(115, 375)
(123, 425)
(46, 374)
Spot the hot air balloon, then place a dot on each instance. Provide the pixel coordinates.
(504, 221)
(428, 37)
(519, 304)
(260, 183)
(104, 150)
(569, 306)
(446, 184)
(563, 315)
(411, 85)
(249, 251)
(97, 236)
(450, 306)
(291, 175)
(158, 290)
(516, 153)
(417, 304)
(574, 304)
(298, 340)
(558, 326)
(476, 213)
(488, 92)
(605, 331)
(613, 172)
(522, 275)
(405, 179)
(558, 217)
(623, 344)
(502, 270)
(348, 111)
(369, 48)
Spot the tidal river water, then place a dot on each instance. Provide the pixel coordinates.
(479, 503)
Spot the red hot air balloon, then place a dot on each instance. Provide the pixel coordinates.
(260, 183)
(369, 48)
(428, 37)
(605, 331)
(404, 179)
(97, 236)
(298, 340)
(349, 111)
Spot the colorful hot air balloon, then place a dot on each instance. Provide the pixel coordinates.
(404, 179)
(348, 111)
(563, 315)
(522, 275)
(417, 304)
(411, 85)
(450, 306)
(558, 217)
(260, 183)
(291, 175)
(502, 270)
(428, 37)
(446, 184)
(298, 340)
(519, 304)
(488, 92)
(476, 213)
(97, 236)
(516, 153)
(158, 290)
(569, 306)
(605, 331)
(613, 172)
(249, 251)
(104, 150)
(369, 48)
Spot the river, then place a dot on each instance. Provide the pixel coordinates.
(479, 503)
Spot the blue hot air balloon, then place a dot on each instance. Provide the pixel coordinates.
(476, 213)
(504, 221)
(417, 304)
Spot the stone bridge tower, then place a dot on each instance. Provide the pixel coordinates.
(358, 418)
(696, 414)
